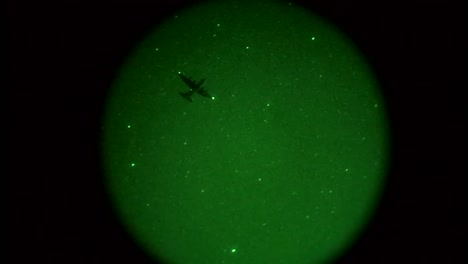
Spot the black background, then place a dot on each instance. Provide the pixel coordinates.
(62, 56)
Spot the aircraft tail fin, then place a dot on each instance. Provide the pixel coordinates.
(187, 95)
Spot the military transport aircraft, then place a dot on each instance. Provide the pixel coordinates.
(195, 87)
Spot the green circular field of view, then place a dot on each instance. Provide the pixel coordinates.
(245, 132)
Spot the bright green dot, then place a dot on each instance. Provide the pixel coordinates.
(212, 98)
(233, 250)
(129, 126)
(132, 165)
(313, 38)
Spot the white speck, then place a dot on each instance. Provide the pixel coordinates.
(202, 190)
(156, 49)
(363, 138)
(268, 104)
(313, 38)
(346, 170)
(185, 143)
(214, 35)
(307, 216)
(330, 191)
(147, 204)
(259, 179)
(247, 47)
(332, 211)
(376, 105)
(218, 25)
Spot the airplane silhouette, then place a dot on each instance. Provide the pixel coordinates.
(195, 87)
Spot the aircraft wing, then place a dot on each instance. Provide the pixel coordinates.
(189, 82)
(200, 83)
(204, 93)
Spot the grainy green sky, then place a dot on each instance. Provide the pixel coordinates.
(285, 165)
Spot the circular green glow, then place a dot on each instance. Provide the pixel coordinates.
(290, 156)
